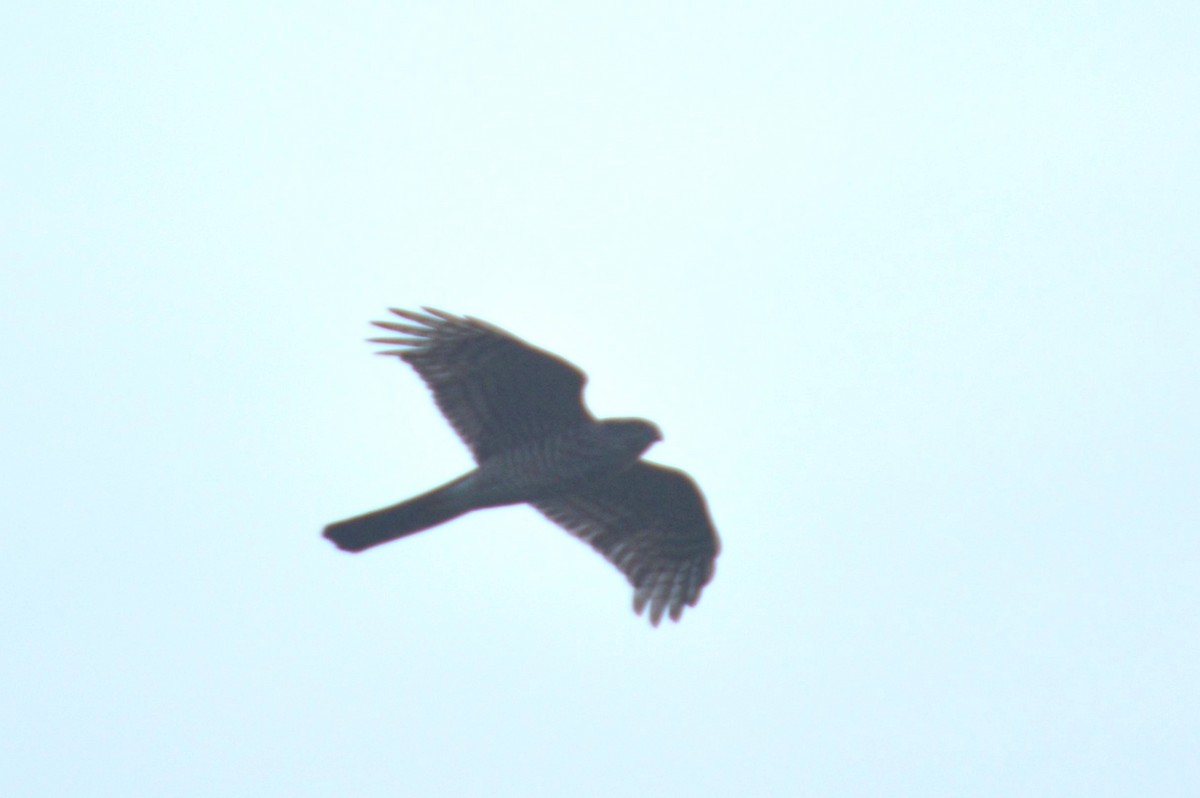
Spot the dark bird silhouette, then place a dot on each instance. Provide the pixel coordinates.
(520, 411)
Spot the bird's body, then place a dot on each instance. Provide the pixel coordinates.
(520, 411)
(555, 465)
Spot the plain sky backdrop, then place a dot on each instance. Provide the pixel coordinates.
(913, 290)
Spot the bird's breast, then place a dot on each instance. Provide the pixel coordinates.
(553, 466)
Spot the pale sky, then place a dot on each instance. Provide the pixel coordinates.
(913, 291)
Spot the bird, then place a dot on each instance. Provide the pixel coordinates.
(520, 411)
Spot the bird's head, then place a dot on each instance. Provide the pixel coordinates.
(635, 433)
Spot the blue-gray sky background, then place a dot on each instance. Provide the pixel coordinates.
(912, 289)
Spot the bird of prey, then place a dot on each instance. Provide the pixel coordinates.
(520, 411)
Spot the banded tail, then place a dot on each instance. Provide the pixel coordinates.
(406, 518)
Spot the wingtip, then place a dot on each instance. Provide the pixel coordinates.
(662, 601)
(640, 600)
(407, 329)
(441, 314)
(407, 314)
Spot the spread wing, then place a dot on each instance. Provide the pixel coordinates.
(652, 523)
(495, 390)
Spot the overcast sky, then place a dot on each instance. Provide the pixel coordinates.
(912, 289)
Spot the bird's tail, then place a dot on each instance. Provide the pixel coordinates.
(415, 515)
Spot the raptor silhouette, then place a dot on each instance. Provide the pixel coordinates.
(520, 411)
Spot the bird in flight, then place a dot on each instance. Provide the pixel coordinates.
(520, 411)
